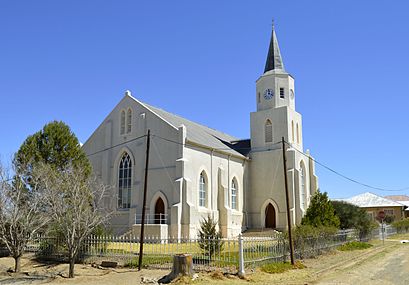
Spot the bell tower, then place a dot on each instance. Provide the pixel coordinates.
(275, 117)
(275, 98)
(275, 88)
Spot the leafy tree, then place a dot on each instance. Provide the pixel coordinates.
(74, 202)
(320, 213)
(209, 238)
(55, 145)
(21, 213)
(353, 217)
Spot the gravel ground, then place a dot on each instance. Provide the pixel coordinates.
(387, 264)
(390, 266)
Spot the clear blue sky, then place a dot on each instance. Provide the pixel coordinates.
(73, 60)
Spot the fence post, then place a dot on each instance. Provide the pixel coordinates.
(241, 272)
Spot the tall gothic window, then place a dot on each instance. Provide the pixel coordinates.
(292, 130)
(233, 194)
(268, 132)
(202, 190)
(122, 122)
(298, 134)
(129, 121)
(302, 186)
(125, 182)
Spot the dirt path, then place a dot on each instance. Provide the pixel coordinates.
(388, 266)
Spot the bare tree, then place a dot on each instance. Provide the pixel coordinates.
(21, 212)
(74, 202)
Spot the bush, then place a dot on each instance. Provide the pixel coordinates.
(306, 239)
(389, 219)
(209, 238)
(321, 212)
(353, 217)
(401, 225)
(354, 245)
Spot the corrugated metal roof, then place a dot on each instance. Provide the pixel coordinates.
(370, 200)
(398, 197)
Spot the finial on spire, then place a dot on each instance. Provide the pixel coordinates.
(274, 60)
(272, 23)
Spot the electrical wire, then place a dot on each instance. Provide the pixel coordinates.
(344, 176)
(120, 144)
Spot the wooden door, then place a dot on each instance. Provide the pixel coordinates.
(270, 217)
(160, 212)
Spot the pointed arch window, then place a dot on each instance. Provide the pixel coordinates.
(233, 190)
(122, 126)
(129, 121)
(292, 131)
(124, 181)
(202, 190)
(268, 132)
(302, 186)
(298, 134)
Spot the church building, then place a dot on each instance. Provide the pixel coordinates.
(195, 171)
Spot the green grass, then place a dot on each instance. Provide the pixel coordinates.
(281, 267)
(354, 245)
(149, 260)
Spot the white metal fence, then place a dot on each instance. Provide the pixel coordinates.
(228, 255)
(152, 219)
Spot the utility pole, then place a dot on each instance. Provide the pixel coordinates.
(145, 187)
(290, 238)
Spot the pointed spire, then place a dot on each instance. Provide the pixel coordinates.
(274, 60)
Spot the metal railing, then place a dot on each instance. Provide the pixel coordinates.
(151, 219)
(227, 255)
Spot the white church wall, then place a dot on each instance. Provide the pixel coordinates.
(162, 166)
(212, 163)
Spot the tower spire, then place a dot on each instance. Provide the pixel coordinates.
(274, 60)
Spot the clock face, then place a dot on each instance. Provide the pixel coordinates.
(268, 94)
(292, 94)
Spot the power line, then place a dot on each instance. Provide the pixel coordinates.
(111, 147)
(346, 177)
(317, 162)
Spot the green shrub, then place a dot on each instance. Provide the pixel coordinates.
(401, 225)
(320, 212)
(354, 245)
(210, 240)
(389, 219)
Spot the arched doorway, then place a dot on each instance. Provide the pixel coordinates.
(270, 221)
(160, 217)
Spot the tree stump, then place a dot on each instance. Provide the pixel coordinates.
(182, 266)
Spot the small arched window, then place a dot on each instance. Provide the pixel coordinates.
(292, 130)
(124, 181)
(233, 190)
(122, 126)
(129, 121)
(202, 190)
(302, 186)
(268, 132)
(298, 134)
